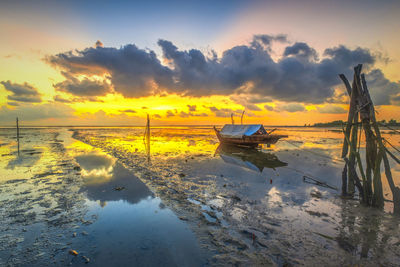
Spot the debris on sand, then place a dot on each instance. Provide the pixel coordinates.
(119, 188)
(87, 260)
(73, 252)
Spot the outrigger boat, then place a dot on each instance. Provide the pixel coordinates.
(250, 135)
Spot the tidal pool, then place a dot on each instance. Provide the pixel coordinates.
(185, 200)
(71, 196)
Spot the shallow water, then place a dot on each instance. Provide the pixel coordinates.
(189, 201)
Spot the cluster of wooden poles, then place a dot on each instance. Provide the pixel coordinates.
(361, 118)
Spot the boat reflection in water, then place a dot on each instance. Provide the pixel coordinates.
(249, 158)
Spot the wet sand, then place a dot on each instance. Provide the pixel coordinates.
(188, 203)
(60, 195)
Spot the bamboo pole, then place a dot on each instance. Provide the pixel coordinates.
(18, 135)
(148, 138)
(352, 157)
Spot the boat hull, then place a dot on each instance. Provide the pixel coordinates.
(250, 141)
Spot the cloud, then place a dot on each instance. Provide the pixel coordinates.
(59, 98)
(331, 109)
(99, 44)
(383, 91)
(133, 72)
(127, 111)
(15, 104)
(396, 98)
(224, 112)
(291, 107)
(301, 50)
(245, 102)
(298, 76)
(30, 112)
(265, 40)
(169, 114)
(269, 108)
(22, 92)
(192, 108)
(84, 87)
(183, 114)
(103, 118)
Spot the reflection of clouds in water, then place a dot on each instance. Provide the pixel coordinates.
(102, 175)
(96, 168)
(95, 161)
(274, 195)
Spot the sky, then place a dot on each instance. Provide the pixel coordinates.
(194, 62)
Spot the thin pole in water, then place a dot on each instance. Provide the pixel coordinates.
(241, 118)
(18, 135)
(148, 137)
(232, 118)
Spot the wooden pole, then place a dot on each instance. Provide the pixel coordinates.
(148, 137)
(232, 118)
(241, 118)
(350, 117)
(378, 191)
(18, 135)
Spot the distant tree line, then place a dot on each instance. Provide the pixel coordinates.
(339, 123)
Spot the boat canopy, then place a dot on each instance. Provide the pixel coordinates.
(240, 130)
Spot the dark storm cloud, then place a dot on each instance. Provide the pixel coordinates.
(265, 40)
(132, 70)
(83, 87)
(383, 91)
(298, 76)
(301, 50)
(22, 92)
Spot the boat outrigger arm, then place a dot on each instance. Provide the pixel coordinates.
(246, 135)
